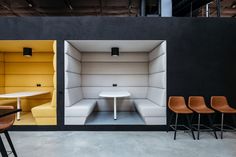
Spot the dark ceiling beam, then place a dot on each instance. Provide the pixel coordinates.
(8, 7)
(32, 6)
(101, 7)
(24, 11)
(129, 6)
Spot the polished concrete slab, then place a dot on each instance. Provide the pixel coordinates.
(117, 144)
(107, 118)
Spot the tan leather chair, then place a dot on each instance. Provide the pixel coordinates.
(198, 105)
(220, 104)
(178, 106)
(5, 123)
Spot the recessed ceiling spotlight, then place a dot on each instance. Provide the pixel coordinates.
(27, 52)
(115, 51)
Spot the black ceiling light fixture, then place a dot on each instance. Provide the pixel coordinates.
(114, 51)
(27, 52)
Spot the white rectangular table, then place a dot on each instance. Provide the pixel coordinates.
(19, 95)
(114, 94)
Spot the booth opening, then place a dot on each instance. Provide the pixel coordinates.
(115, 82)
(28, 80)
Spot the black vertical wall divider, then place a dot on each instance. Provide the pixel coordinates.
(201, 52)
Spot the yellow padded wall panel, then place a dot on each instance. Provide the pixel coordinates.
(28, 68)
(1, 56)
(2, 90)
(1, 68)
(20, 89)
(36, 57)
(2, 78)
(55, 62)
(2, 82)
(28, 80)
(55, 46)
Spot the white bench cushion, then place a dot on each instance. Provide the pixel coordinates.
(149, 109)
(82, 108)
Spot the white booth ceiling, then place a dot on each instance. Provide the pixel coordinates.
(106, 45)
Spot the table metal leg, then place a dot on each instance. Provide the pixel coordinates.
(18, 107)
(114, 108)
(2, 148)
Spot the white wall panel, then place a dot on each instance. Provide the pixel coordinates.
(106, 57)
(158, 80)
(93, 92)
(120, 80)
(72, 80)
(158, 65)
(72, 65)
(158, 51)
(70, 50)
(114, 68)
(73, 95)
(157, 96)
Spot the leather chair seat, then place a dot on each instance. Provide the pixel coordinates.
(181, 109)
(225, 109)
(202, 109)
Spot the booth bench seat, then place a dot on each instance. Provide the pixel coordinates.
(44, 114)
(152, 114)
(5, 102)
(78, 113)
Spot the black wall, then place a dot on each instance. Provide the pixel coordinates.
(201, 52)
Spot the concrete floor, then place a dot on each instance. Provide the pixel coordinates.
(121, 144)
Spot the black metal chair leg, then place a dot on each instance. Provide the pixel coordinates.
(2, 148)
(176, 122)
(169, 122)
(10, 143)
(222, 125)
(234, 119)
(190, 126)
(212, 125)
(198, 126)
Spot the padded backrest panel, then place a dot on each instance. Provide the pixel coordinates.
(114, 68)
(121, 80)
(2, 79)
(158, 64)
(73, 95)
(72, 65)
(157, 75)
(158, 51)
(157, 96)
(71, 51)
(54, 94)
(73, 91)
(158, 80)
(72, 80)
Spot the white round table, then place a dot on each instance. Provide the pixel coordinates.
(114, 94)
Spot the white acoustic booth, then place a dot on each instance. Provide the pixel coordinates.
(139, 69)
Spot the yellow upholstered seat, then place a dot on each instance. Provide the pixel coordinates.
(45, 110)
(45, 114)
